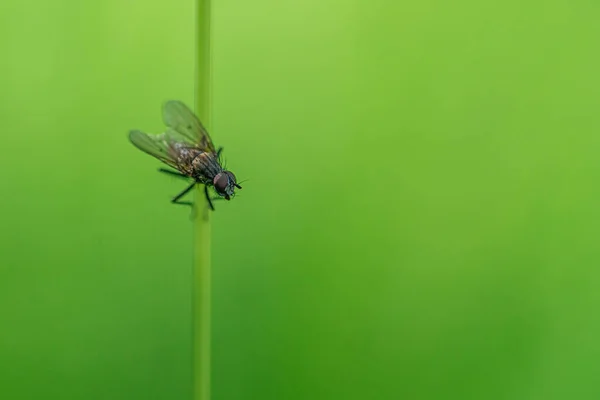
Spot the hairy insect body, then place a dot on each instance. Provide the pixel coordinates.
(205, 167)
(195, 163)
(186, 146)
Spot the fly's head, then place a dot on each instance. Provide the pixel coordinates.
(225, 184)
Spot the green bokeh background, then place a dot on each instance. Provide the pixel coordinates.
(421, 219)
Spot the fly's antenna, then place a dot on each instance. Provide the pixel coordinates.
(238, 184)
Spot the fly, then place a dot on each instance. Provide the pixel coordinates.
(186, 146)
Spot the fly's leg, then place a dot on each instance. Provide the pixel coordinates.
(174, 173)
(180, 195)
(176, 199)
(210, 204)
(219, 151)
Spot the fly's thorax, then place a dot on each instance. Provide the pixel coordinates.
(205, 166)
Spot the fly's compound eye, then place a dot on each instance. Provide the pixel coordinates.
(221, 181)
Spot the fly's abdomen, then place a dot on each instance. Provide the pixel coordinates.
(184, 157)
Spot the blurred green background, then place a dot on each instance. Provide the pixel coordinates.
(420, 222)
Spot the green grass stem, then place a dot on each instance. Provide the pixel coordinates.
(201, 284)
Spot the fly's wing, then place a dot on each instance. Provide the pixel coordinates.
(181, 119)
(158, 146)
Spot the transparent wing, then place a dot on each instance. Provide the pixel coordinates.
(158, 146)
(180, 118)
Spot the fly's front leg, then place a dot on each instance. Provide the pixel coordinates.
(210, 204)
(219, 151)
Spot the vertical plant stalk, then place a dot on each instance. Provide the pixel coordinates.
(201, 317)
